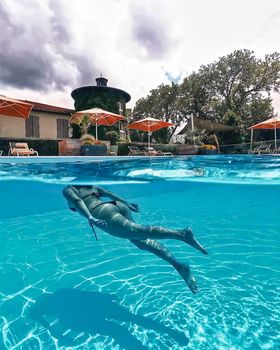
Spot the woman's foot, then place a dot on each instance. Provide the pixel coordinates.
(185, 272)
(188, 237)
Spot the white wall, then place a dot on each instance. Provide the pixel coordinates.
(12, 126)
(15, 127)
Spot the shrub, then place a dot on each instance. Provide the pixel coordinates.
(112, 136)
(88, 139)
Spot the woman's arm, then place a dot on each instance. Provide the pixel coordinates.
(105, 193)
(73, 198)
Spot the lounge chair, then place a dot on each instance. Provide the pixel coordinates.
(276, 150)
(21, 149)
(261, 149)
(1, 152)
(135, 151)
(150, 151)
(264, 149)
(254, 150)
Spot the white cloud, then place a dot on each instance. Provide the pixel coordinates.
(59, 45)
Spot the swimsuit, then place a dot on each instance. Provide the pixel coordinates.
(97, 205)
(97, 195)
(111, 202)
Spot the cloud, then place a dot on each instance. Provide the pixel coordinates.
(51, 47)
(35, 50)
(150, 31)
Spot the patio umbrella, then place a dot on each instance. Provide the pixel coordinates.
(96, 116)
(149, 125)
(14, 108)
(271, 123)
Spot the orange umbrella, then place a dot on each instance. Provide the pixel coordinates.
(95, 116)
(271, 123)
(149, 125)
(14, 108)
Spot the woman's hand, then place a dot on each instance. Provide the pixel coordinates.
(92, 221)
(133, 207)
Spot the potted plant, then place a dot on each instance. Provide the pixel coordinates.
(208, 149)
(113, 137)
(92, 147)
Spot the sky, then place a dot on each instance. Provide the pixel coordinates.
(50, 47)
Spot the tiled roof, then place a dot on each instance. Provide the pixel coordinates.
(42, 107)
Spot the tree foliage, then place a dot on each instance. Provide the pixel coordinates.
(160, 104)
(103, 99)
(235, 90)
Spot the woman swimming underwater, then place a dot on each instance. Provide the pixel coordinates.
(115, 218)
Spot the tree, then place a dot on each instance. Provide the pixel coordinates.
(237, 84)
(161, 103)
(103, 99)
(235, 90)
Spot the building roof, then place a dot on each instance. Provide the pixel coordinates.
(42, 107)
(100, 89)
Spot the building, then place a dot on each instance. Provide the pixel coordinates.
(45, 122)
(101, 96)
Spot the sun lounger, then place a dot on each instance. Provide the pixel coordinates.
(21, 149)
(276, 150)
(261, 149)
(264, 149)
(150, 151)
(135, 151)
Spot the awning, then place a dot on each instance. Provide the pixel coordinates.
(14, 108)
(204, 124)
(271, 123)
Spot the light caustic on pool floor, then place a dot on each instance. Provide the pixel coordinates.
(59, 287)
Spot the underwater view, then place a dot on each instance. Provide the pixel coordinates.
(63, 288)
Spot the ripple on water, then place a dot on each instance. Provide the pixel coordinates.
(52, 259)
(222, 169)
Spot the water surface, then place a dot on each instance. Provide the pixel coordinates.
(60, 289)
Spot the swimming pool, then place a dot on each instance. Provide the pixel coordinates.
(61, 289)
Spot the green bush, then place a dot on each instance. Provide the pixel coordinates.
(44, 147)
(112, 136)
(88, 139)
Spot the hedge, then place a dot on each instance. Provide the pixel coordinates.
(44, 147)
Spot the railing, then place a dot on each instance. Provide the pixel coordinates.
(243, 148)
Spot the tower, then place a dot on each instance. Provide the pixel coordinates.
(102, 96)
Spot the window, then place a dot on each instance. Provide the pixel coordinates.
(62, 128)
(32, 128)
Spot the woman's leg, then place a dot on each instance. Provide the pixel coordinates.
(120, 223)
(125, 211)
(162, 252)
(125, 228)
(153, 246)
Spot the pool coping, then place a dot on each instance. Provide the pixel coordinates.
(65, 159)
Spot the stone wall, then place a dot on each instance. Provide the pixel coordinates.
(70, 147)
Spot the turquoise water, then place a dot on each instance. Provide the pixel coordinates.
(61, 289)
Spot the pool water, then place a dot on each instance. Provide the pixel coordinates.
(62, 289)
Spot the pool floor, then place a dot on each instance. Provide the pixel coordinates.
(61, 289)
